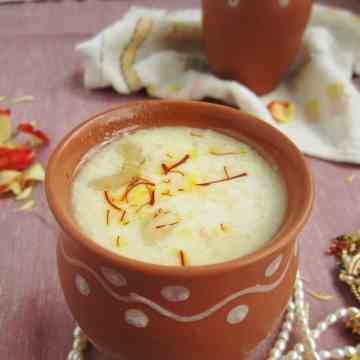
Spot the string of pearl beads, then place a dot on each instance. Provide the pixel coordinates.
(296, 313)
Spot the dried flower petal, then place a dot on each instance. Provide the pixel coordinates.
(35, 172)
(16, 182)
(8, 176)
(40, 137)
(25, 193)
(27, 206)
(319, 296)
(16, 169)
(15, 187)
(21, 99)
(15, 159)
(5, 125)
(10, 181)
(282, 111)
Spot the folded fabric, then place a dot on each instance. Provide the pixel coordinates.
(317, 105)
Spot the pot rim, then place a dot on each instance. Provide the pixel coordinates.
(274, 245)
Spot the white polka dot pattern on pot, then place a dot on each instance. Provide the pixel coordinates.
(238, 314)
(284, 3)
(82, 285)
(175, 293)
(274, 266)
(113, 277)
(233, 3)
(136, 318)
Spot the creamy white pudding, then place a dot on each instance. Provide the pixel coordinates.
(178, 196)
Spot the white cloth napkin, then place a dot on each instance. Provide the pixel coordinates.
(163, 52)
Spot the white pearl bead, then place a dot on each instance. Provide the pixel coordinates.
(281, 345)
(275, 353)
(312, 343)
(304, 319)
(349, 351)
(287, 326)
(79, 344)
(292, 356)
(299, 348)
(77, 331)
(300, 313)
(300, 310)
(284, 335)
(303, 328)
(331, 319)
(75, 355)
(340, 313)
(291, 306)
(299, 292)
(307, 332)
(81, 337)
(324, 354)
(322, 326)
(316, 334)
(338, 353)
(290, 316)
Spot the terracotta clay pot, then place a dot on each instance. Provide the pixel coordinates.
(134, 310)
(254, 41)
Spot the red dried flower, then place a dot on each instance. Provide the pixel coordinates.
(16, 159)
(38, 134)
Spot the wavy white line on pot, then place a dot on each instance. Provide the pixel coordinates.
(103, 283)
(135, 298)
(203, 315)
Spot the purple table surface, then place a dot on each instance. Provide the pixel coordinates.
(37, 58)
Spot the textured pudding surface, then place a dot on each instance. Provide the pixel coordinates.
(178, 196)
